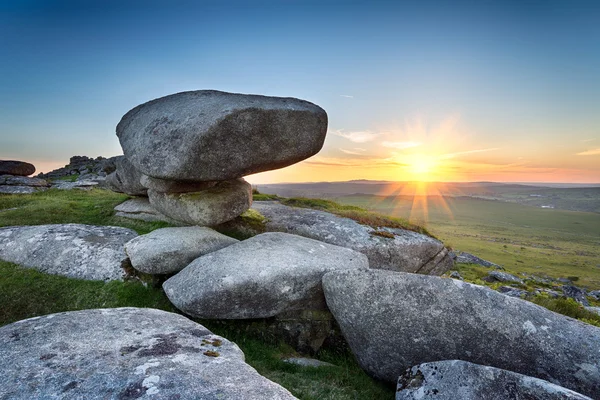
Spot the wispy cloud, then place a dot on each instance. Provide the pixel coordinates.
(353, 152)
(594, 152)
(401, 145)
(588, 140)
(346, 96)
(357, 136)
(354, 162)
(462, 153)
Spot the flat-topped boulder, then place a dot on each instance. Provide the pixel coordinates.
(12, 167)
(124, 353)
(168, 250)
(208, 135)
(73, 250)
(259, 277)
(393, 321)
(400, 250)
(14, 184)
(212, 206)
(455, 379)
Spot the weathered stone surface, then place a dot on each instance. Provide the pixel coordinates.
(124, 353)
(576, 293)
(12, 167)
(208, 135)
(394, 320)
(595, 294)
(73, 250)
(22, 181)
(595, 310)
(168, 250)
(407, 251)
(208, 207)
(84, 184)
(9, 189)
(499, 276)
(307, 362)
(126, 178)
(164, 186)
(455, 379)
(467, 258)
(259, 277)
(140, 208)
(513, 292)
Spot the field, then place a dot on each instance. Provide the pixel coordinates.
(521, 238)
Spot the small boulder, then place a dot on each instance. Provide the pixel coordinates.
(12, 167)
(394, 320)
(220, 203)
(455, 379)
(125, 179)
(576, 293)
(513, 292)
(140, 208)
(168, 250)
(259, 277)
(207, 135)
(73, 250)
(462, 257)
(499, 276)
(595, 294)
(124, 353)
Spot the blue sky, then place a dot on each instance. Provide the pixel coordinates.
(507, 90)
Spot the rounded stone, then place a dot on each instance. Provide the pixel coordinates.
(220, 203)
(12, 167)
(208, 135)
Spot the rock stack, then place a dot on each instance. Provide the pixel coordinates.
(14, 178)
(192, 149)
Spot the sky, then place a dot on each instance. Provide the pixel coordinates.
(482, 90)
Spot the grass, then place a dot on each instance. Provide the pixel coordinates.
(26, 293)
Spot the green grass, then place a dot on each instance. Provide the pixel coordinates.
(25, 293)
(568, 307)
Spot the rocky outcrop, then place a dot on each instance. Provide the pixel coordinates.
(85, 168)
(215, 205)
(394, 320)
(124, 353)
(168, 250)
(259, 277)
(402, 251)
(13, 184)
(455, 379)
(576, 293)
(125, 178)
(208, 135)
(18, 168)
(72, 250)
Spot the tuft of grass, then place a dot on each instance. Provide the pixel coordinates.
(358, 214)
(265, 197)
(94, 207)
(384, 234)
(26, 293)
(568, 307)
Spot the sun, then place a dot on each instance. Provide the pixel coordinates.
(422, 166)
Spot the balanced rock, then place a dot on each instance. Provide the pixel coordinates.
(168, 250)
(215, 205)
(125, 179)
(455, 379)
(394, 320)
(405, 251)
(72, 250)
(20, 168)
(259, 277)
(140, 208)
(124, 353)
(208, 135)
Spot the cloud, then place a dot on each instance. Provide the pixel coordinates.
(346, 96)
(594, 152)
(353, 162)
(461, 153)
(588, 140)
(354, 153)
(401, 145)
(356, 137)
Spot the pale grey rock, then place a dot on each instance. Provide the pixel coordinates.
(86, 184)
(23, 181)
(259, 277)
(456, 275)
(455, 379)
(124, 353)
(467, 258)
(168, 250)
(394, 320)
(213, 206)
(595, 310)
(407, 251)
(165, 186)
(12, 167)
(499, 276)
(126, 178)
(9, 189)
(595, 294)
(73, 250)
(208, 135)
(576, 293)
(140, 208)
(307, 362)
(513, 292)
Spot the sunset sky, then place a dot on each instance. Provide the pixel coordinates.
(417, 90)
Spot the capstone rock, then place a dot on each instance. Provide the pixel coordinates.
(208, 135)
(73, 250)
(393, 321)
(124, 353)
(259, 277)
(12, 167)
